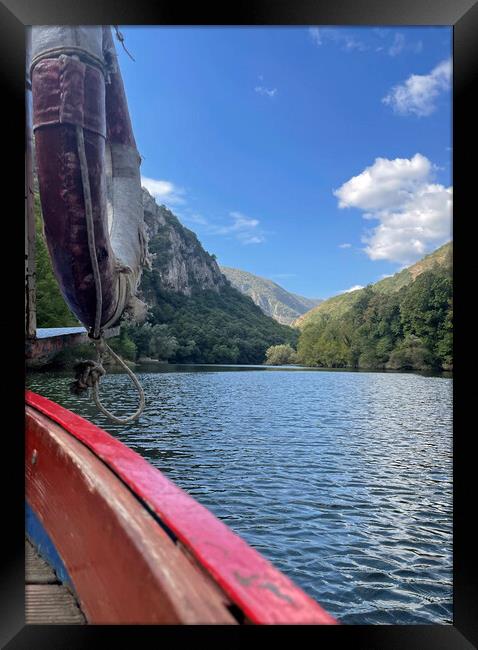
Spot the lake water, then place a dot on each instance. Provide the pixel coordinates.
(342, 479)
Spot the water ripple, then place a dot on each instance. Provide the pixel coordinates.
(343, 480)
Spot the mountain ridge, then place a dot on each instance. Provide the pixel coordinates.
(342, 302)
(275, 301)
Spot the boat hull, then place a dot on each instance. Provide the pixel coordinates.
(136, 548)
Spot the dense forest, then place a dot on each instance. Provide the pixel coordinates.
(206, 327)
(409, 329)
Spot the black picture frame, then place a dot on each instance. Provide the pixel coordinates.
(14, 16)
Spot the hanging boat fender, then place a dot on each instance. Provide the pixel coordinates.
(88, 167)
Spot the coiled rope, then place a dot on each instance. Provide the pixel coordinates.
(88, 373)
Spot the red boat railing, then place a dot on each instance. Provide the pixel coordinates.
(101, 503)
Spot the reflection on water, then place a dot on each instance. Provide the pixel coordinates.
(343, 480)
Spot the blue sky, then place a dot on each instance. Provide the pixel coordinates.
(317, 157)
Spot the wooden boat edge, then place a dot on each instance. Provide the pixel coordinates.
(251, 582)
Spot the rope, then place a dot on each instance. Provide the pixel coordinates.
(90, 229)
(120, 37)
(88, 373)
(131, 375)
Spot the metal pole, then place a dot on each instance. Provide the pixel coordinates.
(30, 280)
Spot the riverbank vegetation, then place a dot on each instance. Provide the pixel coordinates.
(280, 355)
(410, 329)
(207, 327)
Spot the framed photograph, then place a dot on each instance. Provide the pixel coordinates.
(240, 298)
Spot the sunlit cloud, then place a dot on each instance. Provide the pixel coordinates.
(269, 92)
(164, 191)
(418, 94)
(356, 287)
(376, 40)
(413, 212)
(342, 37)
(243, 228)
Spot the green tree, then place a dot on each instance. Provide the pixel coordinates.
(162, 345)
(411, 354)
(326, 343)
(141, 337)
(51, 308)
(123, 345)
(280, 355)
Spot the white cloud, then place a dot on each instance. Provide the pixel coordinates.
(414, 214)
(164, 191)
(343, 37)
(418, 94)
(251, 239)
(397, 45)
(402, 44)
(376, 40)
(269, 92)
(356, 287)
(240, 223)
(345, 245)
(385, 184)
(316, 35)
(196, 219)
(243, 228)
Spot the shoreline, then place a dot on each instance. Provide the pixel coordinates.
(163, 366)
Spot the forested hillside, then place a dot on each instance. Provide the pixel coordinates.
(403, 322)
(340, 304)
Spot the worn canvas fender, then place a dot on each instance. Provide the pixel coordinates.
(76, 82)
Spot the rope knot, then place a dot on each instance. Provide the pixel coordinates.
(87, 374)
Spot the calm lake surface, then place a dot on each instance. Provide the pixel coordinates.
(342, 479)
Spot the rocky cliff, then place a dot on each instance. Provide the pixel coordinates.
(176, 253)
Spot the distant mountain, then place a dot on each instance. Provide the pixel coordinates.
(274, 300)
(338, 305)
